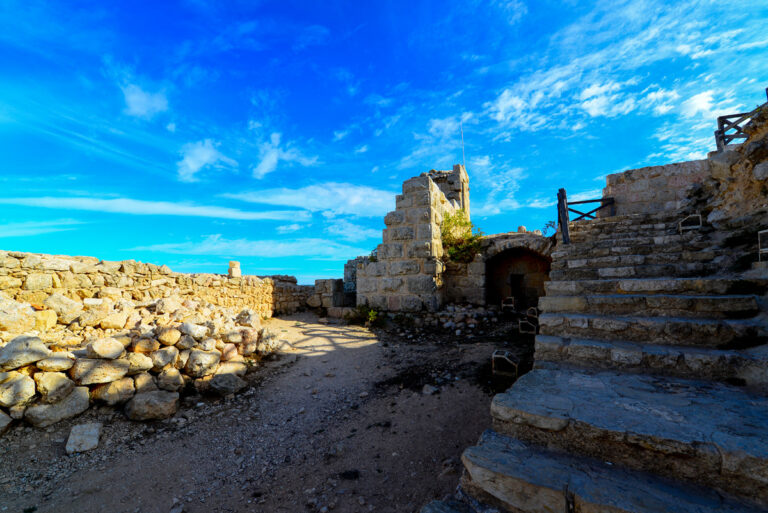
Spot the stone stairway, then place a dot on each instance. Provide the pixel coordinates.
(649, 392)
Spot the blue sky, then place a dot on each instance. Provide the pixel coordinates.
(277, 133)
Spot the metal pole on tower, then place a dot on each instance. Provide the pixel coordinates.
(463, 159)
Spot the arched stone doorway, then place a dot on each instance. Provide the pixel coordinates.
(519, 273)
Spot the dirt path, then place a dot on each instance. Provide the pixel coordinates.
(340, 422)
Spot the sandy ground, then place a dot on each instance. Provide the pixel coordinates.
(339, 422)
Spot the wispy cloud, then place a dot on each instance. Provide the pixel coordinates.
(312, 248)
(30, 228)
(331, 197)
(143, 207)
(271, 152)
(288, 228)
(351, 232)
(143, 104)
(198, 155)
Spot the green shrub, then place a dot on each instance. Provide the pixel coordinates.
(365, 315)
(459, 242)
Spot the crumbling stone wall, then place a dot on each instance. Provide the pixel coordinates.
(407, 274)
(32, 278)
(654, 189)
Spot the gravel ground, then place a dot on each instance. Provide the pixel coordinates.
(344, 419)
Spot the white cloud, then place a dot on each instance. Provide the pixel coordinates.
(143, 104)
(312, 248)
(362, 149)
(288, 228)
(198, 155)
(271, 153)
(513, 9)
(30, 228)
(500, 183)
(331, 198)
(700, 103)
(661, 100)
(142, 207)
(351, 232)
(338, 135)
(171, 127)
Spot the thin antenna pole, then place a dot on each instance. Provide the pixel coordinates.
(463, 159)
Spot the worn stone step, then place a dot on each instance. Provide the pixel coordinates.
(747, 367)
(709, 433)
(521, 477)
(664, 285)
(682, 270)
(585, 262)
(655, 305)
(676, 331)
(638, 245)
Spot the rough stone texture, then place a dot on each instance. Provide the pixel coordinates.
(170, 379)
(152, 405)
(195, 331)
(169, 337)
(83, 437)
(43, 415)
(53, 386)
(116, 392)
(107, 348)
(88, 371)
(202, 363)
(519, 477)
(5, 422)
(138, 362)
(15, 388)
(226, 384)
(654, 189)
(22, 351)
(163, 357)
(60, 361)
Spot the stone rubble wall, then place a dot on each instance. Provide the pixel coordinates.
(32, 278)
(653, 189)
(407, 274)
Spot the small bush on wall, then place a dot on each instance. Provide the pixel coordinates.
(461, 241)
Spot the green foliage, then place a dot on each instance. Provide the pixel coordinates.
(459, 242)
(374, 256)
(367, 316)
(551, 225)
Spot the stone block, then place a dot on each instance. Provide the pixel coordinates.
(43, 415)
(391, 284)
(114, 393)
(391, 250)
(15, 388)
(400, 233)
(83, 437)
(366, 285)
(87, 371)
(418, 215)
(421, 285)
(411, 303)
(376, 269)
(394, 218)
(421, 199)
(419, 250)
(402, 267)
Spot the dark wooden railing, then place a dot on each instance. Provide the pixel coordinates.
(564, 209)
(734, 122)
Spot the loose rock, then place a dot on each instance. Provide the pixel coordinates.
(43, 415)
(83, 437)
(152, 405)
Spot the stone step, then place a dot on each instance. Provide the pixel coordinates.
(705, 432)
(691, 286)
(584, 262)
(637, 245)
(676, 331)
(681, 270)
(521, 477)
(655, 305)
(744, 367)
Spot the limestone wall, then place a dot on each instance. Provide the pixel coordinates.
(407, 274)
(654, 189)
(32, 278)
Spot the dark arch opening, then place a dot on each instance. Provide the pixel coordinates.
(519, 273)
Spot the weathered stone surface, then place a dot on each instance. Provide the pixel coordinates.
(236, 368)
(15, 388)
(146, 345)
(152, 405)
(202, 363)
(15, 317)
(45, 320)
(138, 362)
(114, 393)
(93, 316)
(5, 422)
(67, 310)
(43, 415)
(167, 305)
(114, 321)
(165, 356)
(22, 351)
(170, 379)
(107, 348)
(248, 318)
(37, 281)
(195, 331)
(60, 361)
(88, 371)
(144, 382)
(83, 437)
(760, 171)
(169, 336)
(53, 386)
(226, 384)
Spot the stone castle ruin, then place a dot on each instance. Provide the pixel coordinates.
(648, 392)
